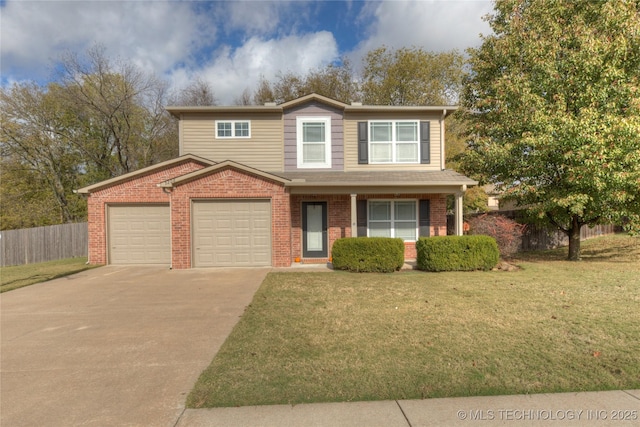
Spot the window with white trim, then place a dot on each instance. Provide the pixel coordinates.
(233, 129)
(394, 141)
(313, 142)
(393, 218)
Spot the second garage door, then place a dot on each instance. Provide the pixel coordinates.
(231, 233)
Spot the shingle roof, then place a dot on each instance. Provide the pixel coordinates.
(374, 178)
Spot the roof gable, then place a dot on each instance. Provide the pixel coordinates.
(218, 167)
(144, 171)
(313, 97)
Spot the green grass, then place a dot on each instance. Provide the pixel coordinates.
(551, 326)
(18, 276)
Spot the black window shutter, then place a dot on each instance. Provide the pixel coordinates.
(425, 149)
(425, 218)
(363, 144)
(361, 213)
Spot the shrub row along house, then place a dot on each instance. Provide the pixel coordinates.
(274, 184)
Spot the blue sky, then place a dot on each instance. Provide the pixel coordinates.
(231, 44)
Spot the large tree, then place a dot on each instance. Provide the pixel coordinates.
(553, 102)
(411, 76)
(40, 166)
(100, 119)
(122, 109)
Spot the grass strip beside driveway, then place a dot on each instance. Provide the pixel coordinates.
(552, 326)
(18, 276)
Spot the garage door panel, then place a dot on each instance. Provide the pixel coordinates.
(240, 234)
(139, 234)
(243, 241)
(223, 242)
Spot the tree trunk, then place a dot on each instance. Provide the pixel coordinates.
(574, 239)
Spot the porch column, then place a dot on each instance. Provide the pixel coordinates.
(458, 213)
(354, 216)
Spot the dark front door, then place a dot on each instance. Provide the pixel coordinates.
(314, 229)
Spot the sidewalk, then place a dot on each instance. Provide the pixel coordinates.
(609, 408)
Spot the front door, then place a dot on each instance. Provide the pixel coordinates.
(314, 229)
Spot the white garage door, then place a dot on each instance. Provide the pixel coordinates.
(139, 234)
(231, 233)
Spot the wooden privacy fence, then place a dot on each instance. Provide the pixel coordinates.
(39, 244)
(537, 237)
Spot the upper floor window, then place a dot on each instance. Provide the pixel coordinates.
(313, 142)
(233, 129)
(394, 141)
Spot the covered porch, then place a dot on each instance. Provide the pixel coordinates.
(326, 206)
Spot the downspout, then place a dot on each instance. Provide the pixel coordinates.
(444, 114)
(169, 191)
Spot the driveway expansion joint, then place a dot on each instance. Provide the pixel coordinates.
(403, 414)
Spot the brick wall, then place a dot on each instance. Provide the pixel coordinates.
(141, 189)
(230, 184)
(339, 219)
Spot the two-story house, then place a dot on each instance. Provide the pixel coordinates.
(272, 185)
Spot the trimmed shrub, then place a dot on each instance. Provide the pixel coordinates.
(457, 253)
(368, 254)
(507, 232)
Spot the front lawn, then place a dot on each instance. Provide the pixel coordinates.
(17, 276)
(552, 326)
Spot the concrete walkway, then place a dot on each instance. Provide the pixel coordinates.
(611, 408)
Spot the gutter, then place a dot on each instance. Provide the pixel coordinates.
(380, 184)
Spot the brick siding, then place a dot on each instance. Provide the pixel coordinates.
(142, 189)
(229, 183)
(339, 219)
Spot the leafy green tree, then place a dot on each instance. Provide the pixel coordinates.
(25, 198)
(411, 76)
(100, 119)
(553, 102)
(37, 156)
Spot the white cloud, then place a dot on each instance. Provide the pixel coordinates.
(254, 17)
(154, 35)
(231, 71)
(230, 44)
(433, 25)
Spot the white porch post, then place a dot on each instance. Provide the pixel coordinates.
(458, 213)
(354, 216)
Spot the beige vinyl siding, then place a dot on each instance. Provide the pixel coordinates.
(262, 151)
(351, 140)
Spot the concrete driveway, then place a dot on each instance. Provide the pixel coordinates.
(115, 345)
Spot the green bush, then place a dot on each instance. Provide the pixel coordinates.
(457, 253)
(368, 254)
